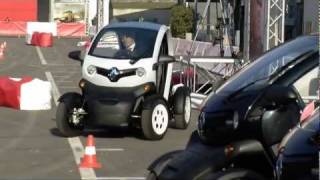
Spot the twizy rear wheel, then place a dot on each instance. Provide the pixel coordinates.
(66, 117)
(155, 119)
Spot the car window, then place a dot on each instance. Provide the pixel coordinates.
(308, 85)
(269, 62)
(124, 43)
(107, 45)
(164, 46)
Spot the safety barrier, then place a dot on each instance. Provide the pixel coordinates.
(25, 93)
(13, 28)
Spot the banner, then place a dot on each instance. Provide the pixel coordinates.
(13, 28)
(71, 29)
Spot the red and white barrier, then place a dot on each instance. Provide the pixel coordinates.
(25, 93)
(15, 28)
(34, 28)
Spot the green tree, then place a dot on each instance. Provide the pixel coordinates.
(181, 21)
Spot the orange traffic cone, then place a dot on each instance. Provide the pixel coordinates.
(90, 160)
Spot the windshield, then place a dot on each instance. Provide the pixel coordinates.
(124, 43)
(270, 62)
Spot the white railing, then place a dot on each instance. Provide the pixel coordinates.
(207, 74)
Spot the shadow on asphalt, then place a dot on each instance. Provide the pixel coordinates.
(55, 132)
(106, 133)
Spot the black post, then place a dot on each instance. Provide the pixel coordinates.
(195, 16)
(208, 19)
(43, 10)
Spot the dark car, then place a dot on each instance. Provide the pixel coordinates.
(249, 113)
(238, 105)
(298, 156)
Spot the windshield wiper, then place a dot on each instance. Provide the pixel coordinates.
(134, 59)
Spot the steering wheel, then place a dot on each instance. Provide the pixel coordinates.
(300, 102)
(123, 54)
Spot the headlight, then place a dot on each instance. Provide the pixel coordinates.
(91, 70)
(140, 71)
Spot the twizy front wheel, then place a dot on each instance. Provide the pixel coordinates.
(155, 118)
(68, 120)
(182, 108)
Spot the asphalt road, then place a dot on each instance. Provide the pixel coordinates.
(31, 147)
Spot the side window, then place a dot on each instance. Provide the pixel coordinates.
(164, 46)
(308, 85)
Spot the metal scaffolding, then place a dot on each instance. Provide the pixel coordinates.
(275, 23)
(100, 14)
(103, 9)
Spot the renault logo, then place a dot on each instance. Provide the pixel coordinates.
(113, 74)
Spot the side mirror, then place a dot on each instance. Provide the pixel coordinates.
(76, 55)
(280, 94)
(163, 60)
(166, 59)
(81, 43)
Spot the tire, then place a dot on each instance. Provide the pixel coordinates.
(181, 108)
(154, 118)
(235, 174)
(63, 114)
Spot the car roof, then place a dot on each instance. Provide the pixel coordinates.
(141, 25)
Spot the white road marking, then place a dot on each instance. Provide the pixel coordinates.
(55, 90)
(75, 143)
(109, 149)
(41, 57)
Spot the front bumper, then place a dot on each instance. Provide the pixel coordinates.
(108, 106)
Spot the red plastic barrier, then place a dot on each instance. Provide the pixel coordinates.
(71, 29)
(13, 28)
(45, 40)
(10, 91)
(35, 38)
(42, 39)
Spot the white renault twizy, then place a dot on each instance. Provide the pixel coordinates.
(126, 83)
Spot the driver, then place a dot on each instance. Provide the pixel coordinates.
(129, 42)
